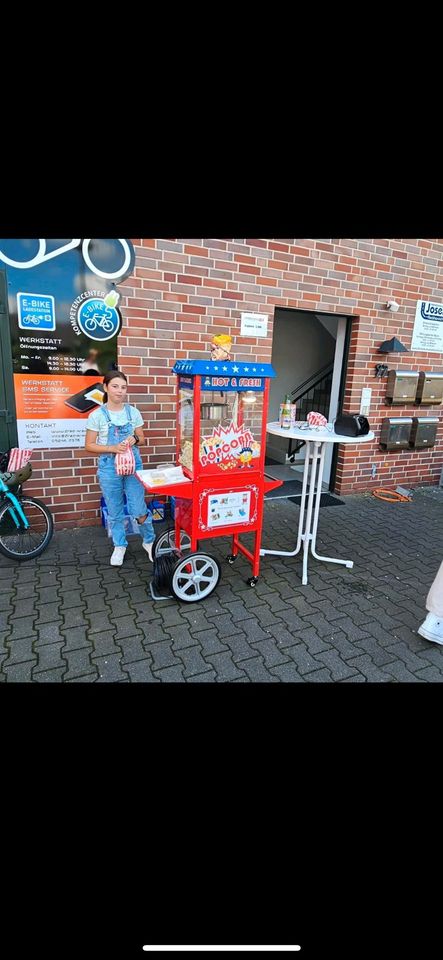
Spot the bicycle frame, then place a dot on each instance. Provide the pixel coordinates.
(15, 505)
(42, 256)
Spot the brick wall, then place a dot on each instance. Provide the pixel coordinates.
(183, 291)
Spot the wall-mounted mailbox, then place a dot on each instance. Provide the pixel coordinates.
(430, 388)
(395, 433)
(401, 386)
(423, 432)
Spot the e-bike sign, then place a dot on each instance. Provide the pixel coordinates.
(35, 312)
(64, 325)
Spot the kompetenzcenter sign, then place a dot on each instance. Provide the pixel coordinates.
(64, 324)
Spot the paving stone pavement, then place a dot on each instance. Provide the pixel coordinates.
(68, 616)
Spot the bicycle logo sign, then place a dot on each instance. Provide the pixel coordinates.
(42, 256)
(97, 320)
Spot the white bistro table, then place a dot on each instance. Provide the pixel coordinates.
(316, 439)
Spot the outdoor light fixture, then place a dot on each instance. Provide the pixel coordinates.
(393, 306)
(249, 396)
(392, 346)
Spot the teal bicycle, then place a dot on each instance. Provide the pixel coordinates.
(26, 524)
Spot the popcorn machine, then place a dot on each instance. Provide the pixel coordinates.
(221, 410)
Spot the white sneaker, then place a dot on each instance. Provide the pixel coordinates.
(148, 547)
(432, 628)
(118, 556)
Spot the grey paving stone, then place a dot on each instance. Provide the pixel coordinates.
(239, 647)
(257, 672)
(339, 669)
(209, 642)
(319, 676)
(111, 669)
(76, 638)
(19, 672)
(171, 675)
(23, 608)
(208, 677)
(162, 655)
(377, 653)
(132, 649)
(49, 657)
(105, 644)
(193, 661)
(20, 650)
(369, 670)
(431, 674)
(140, 672)
(305, 663)
(23, 629)
(48, 612)
(224, 666)
(49, 676)
(288, 673)
(79, 664)
(271, 652)
(400, 672)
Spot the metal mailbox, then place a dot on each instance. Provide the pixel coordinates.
(401, 386)
(430, 388)
(423, 432)
(395, 433)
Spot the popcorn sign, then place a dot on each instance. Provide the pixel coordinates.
(229, 446)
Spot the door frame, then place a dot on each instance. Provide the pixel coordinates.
(8, 421)
(344, 372)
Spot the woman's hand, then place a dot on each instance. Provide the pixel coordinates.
(131, 440)
(120, 447)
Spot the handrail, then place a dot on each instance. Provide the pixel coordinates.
(315, 377)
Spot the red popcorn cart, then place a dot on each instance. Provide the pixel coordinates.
(221, 415)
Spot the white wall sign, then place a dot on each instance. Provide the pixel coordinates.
(365, 403)
(427, 335)
(254, 325)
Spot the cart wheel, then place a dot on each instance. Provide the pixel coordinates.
(165, 543)
(252, 581)
(231, 558)
(195, 577)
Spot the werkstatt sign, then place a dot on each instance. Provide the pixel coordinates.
(427, 335)
(254, 325)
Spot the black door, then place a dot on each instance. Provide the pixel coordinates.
(8, 426)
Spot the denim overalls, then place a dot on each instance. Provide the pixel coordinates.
(113, 486)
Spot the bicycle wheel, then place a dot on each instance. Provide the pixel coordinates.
(19, 543)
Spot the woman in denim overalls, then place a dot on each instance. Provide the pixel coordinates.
(112, 485)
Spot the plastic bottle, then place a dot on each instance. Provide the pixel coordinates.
(285, 413)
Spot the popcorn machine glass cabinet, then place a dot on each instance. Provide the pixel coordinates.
(230, 431)
(186, 427)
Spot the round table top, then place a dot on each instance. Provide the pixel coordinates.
(320, 434)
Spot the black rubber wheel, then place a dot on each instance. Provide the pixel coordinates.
(165, 543)
(231, 558)
(252, 581)
(19, 543)
(195, 576)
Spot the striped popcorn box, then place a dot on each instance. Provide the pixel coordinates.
(125, 463)
(316, 419)
(18, 458)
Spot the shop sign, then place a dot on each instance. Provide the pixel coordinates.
(427, 336)
(64, 326)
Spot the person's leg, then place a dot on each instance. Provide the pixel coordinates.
(432, 626)
(112, 488)
(434, 599)
(137, 508)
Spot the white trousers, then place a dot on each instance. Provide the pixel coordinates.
(434, 599)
